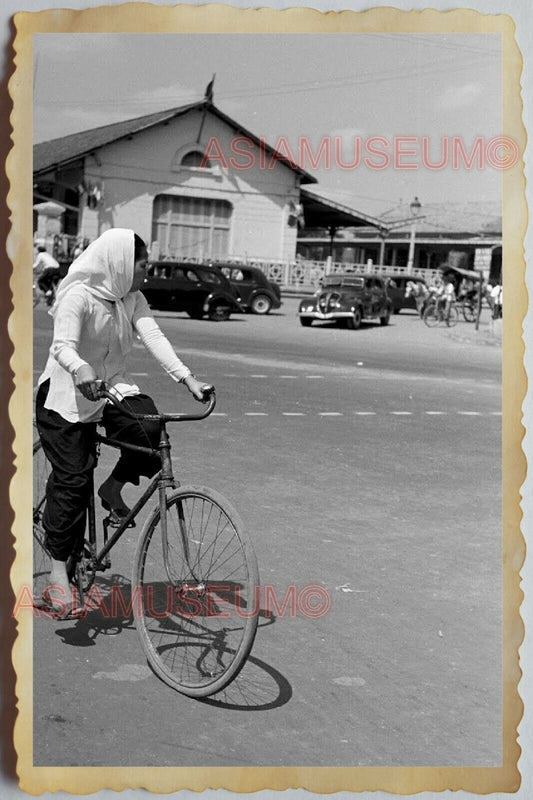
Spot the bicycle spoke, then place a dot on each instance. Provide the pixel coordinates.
(198, 594)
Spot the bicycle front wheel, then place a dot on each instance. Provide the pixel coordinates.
(195, 592)
(452, 317)
(41, 557)
(431, 317)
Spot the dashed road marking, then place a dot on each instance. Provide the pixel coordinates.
(258, 376)
(361, 413)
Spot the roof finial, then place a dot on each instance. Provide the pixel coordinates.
(209, 90)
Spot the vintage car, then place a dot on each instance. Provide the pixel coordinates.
(199, 290)
(347, 299)
(258, 294)
(396, 288)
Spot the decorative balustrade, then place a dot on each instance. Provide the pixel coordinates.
(307, 274)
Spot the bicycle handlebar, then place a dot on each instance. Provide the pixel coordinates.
(210, 398)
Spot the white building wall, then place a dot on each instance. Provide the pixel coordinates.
(133, 171)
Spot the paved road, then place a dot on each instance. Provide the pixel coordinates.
(366, 462)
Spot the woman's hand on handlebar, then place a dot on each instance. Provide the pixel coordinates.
(200, 390)
(86, 379)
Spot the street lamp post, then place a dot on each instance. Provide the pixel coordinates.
(414, 207)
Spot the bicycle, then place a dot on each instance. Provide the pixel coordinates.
(195, 578)
(435, 314)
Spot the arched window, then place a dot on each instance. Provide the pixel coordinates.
(195, 158)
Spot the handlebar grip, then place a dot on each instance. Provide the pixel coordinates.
(207, 392)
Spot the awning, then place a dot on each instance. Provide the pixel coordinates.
(322, 212)
(466, 273)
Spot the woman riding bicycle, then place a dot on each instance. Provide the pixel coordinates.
(98, 310)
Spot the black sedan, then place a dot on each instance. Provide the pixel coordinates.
(197, 289)
(257, 293)
(347, 299)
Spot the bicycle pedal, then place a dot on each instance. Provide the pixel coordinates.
(113, 520)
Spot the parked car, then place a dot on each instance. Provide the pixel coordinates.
(258, 294)
(396, 286)
(198, 290)
(348, 299)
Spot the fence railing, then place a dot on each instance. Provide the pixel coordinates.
(308, 274)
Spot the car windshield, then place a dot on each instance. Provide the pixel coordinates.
(344, 280)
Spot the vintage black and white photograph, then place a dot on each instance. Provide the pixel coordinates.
(268, 304)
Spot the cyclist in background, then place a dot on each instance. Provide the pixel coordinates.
(46, 271)
(444, 296)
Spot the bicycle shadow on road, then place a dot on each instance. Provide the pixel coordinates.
(109, 611)
(258, 687)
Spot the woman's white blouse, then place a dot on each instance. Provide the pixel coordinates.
(85, 332)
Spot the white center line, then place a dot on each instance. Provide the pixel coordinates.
(470, 413)
(314, 377)
(293, 413)
(435, 413)
(218, 414)
(258, 376)
(139, 374)
(329, 414)
(255, 414)
(402, 413)
(289, 377)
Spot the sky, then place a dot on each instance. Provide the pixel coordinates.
(302, 88)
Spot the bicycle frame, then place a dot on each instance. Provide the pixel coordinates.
(163, 480)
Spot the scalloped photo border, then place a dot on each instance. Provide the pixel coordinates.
(146, 18)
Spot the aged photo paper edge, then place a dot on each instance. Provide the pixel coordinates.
(147, 18)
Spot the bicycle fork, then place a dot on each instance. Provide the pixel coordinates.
(167, 479)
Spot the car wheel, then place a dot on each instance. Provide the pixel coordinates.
(352, 323)
(385, 319)
(219, 312)
(305, 322)
(261, 304)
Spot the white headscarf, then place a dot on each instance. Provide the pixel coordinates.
(105, 268)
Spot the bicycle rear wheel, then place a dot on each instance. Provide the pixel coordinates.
(195, 592)
(41, 557)
(469, 312)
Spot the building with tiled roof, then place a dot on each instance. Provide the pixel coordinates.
(191, 181)
(467, 235)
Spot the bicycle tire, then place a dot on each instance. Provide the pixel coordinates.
(453, 317)
(196, 613)
(431, 317)
(42, 563)
(469, 312)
